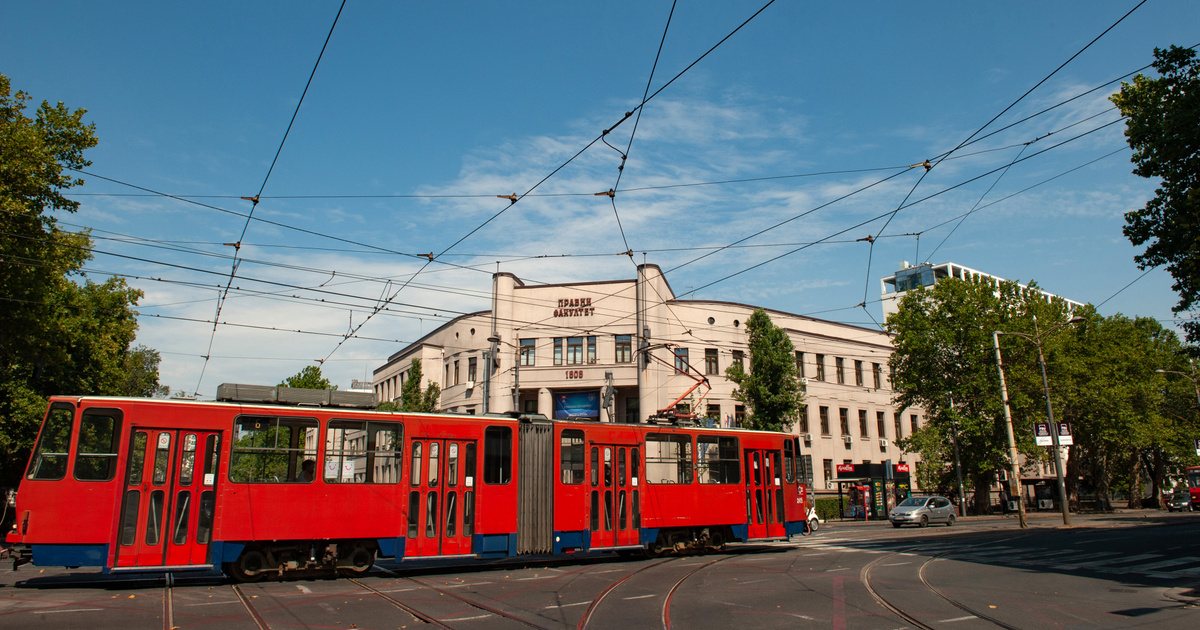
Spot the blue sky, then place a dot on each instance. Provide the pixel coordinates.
(420, 113)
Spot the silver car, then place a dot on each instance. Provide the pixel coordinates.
(921, 511)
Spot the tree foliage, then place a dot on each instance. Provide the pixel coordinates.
(771, 389)
(1101, 374)
(1165, 138)
(58, 334)
(308, 378)
(411, 397)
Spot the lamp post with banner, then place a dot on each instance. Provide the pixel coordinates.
(1036, 338)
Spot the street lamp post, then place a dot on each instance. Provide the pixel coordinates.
(1190, 377)
(1036, 338)
(516, 396)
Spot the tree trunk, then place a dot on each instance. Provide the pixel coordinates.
(1160, 469)
(1135, 481)
(1100, 478)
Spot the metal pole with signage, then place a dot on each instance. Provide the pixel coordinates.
(1058, 463)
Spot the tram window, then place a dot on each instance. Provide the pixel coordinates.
(608, 510)
(778, 505)
(668, 458)
(187, 464)
(452, 465)
(621, 513)
(608, 467)
(96, 453)
(789, 461)
(497, 455)
(595, 521)
(635, 466)
(717, 459)
(469, 466)
(162, 456)
(571, 454)
(621, 467)
(451, 514)
(49, 459)
(362, 452)
(414, 512)
(415, 480)
(269, 449)
(204, 522)
(595, 466)
(211, 456)
(434, 466)
(431, 514)
(137, 458)
(468, 505)
(154, 518)
(775, 466)
(129, 518)
(183, 504)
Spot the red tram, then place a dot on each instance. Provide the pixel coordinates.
(252, 486)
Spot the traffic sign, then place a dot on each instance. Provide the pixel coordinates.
(1041, 434)
(1064, 434)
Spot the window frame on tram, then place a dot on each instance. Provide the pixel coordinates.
(293, 453)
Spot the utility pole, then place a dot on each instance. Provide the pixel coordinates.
(1014, 475)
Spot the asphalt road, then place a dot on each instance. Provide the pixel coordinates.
(1113, 571)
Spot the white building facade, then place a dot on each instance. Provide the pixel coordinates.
(909, 277)
(559, 349)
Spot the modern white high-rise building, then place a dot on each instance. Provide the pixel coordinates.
(909, 277)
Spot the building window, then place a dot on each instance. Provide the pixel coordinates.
(803, 419)
(820, 367)
(472, 369)
(738, 358)
(877, 370)
(896, 421)
(858, 373)
(446, 379)
(840, 370)
(558, 351)
(624, 348)
(710, 361)
(862, 423)
(799, 364)
(913, 420)
(457, 374)
(827, 467)
(823, 412)
(574, 350)
(739, 415)
(713, 413)
(528, 352)
(591, 350)
(681, 359)
(844, 416)
(880, 424)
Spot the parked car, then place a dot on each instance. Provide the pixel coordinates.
(921, 511)
(1179, 500)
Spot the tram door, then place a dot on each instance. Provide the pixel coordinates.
(169, 502)
(764, 493)
(614, 501)
(441, 500)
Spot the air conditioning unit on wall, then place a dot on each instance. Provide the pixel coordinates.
(882, 443)
(846, 439)
(470, 384)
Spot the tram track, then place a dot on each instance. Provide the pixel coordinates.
(865, 577)
(255, 616)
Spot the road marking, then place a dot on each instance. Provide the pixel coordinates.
(303, 588)
(536, 577)
(557, 606)
(641, 596)
(958, 619)
(839, 569)
(1111, 561)
(1166, 563)
(412, 588)
(468, 618)
(1086, 559)
(895, 564)
(232, 601)
(52, 612)
(329, 609)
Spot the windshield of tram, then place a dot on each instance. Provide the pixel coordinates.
(1194, 478)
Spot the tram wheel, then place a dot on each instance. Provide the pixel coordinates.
(358, 562)
(249, 567)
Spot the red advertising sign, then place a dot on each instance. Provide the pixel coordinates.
(902, 468)
(845, 468)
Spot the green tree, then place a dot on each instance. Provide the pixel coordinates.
(944, 363)
(411, 397)
(140, 370)
(772, 388)
(308, 378)
(1165, 138)
(57, 335)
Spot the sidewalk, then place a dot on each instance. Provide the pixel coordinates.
(1042, 518)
